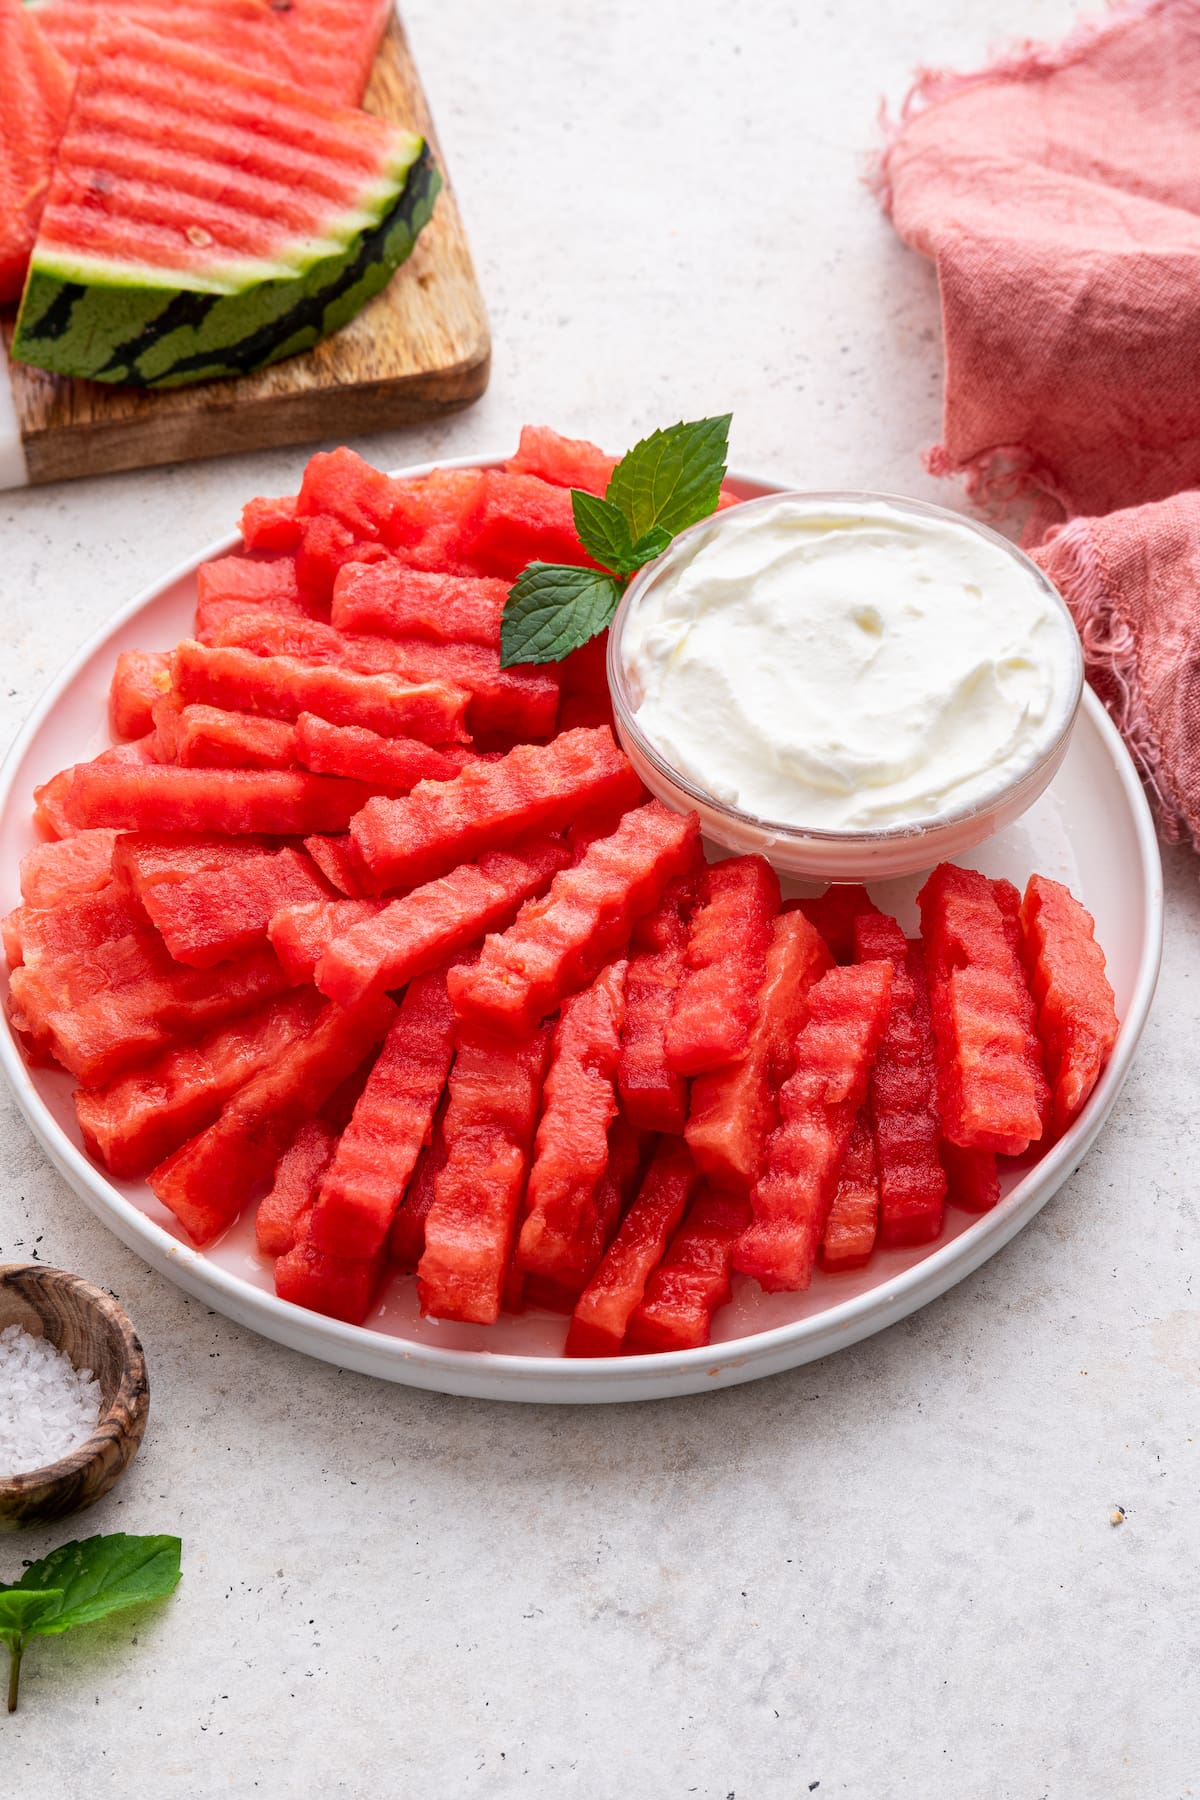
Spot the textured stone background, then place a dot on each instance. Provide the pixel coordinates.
(892, 1573)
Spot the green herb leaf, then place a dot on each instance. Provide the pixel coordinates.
(99, 1575)
(651, 545)
(552, 609)
(603, 531)
(673, 477)
(21, 1608)
(80, 1582)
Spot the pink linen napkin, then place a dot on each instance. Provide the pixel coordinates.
(1058, 194)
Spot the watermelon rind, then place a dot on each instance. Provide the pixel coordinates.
(146, 326)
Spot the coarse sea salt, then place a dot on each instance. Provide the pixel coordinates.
(47, 1406)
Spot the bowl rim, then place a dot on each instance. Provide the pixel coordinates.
(131, 1399)
(1020, 792)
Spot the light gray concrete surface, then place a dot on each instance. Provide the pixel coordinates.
(889, 1574)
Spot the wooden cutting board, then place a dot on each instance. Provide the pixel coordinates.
(421, 347)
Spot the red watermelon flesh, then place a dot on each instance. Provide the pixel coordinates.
(35, 95)
(324, 46)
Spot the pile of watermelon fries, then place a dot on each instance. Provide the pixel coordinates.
(357, 927)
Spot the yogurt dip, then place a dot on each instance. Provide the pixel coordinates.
(837, 664)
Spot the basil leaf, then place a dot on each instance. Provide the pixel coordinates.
(100, 1575)
(673, 477)
(603, 532)
(21, 1608)
(552, 609)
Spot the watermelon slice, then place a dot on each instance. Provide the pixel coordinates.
(396, 601)
(326, 47)
(209, 1180)
(277, 1221)
(238, 801)
(391, 1125)
(58, 871)
(139, 1118)
(615, 1290)
(283, 687)
(202, 221)
(694, 1277)
(140, 679)
(35, 95)
(208, 737)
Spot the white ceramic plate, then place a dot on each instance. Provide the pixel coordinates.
(1091, 829)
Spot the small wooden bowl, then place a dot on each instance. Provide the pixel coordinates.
(89, 1326)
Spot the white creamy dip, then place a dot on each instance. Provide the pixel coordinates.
(848, 665)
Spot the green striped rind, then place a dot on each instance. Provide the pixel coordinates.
(114, 328)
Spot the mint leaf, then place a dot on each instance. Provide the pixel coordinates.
(651, 545)
(80, 1582)
(673, 477)
(602, 531)
(99, 1575)
(552, 609)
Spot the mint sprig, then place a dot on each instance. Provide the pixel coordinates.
(80, 1582)
(669, 481)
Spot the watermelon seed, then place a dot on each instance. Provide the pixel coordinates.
(197, 235)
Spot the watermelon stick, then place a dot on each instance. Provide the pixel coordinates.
(391, 1123)
(848, 1010)
(608, 1301)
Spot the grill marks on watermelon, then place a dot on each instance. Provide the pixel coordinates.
(436, 920)
(37, 98)
(557, 944)
(848, 1011)
(138, 1119)
(209, 1180)
(693, 1279)
(991, 1091)
(495, 1088)
(534, 788)
(716, 1002)
(283, 687)
(732, 1109)
(610, 1298)
(579, 1106)
(390, 1125)
(207, 919)
(242, 219)
(157, 798)
(1077, 1017)
(904, 1114)
(520, 703)
(326, 47)
(390, 600)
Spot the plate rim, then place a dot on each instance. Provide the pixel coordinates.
(539, 1378)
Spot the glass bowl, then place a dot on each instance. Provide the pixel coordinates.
(844, 854)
